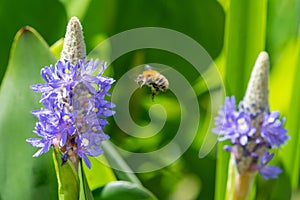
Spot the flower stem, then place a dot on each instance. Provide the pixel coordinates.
(243, 185)
(238, 185)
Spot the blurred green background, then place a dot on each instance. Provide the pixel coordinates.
(228, 34)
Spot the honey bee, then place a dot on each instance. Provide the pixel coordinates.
(153, 79)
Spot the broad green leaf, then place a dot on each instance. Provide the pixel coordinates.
(67, 177)
(56, 48)
(282, 25)
(114, 159)
(284, 71)
(291, 152)
(47, 16)
(123, 190)
(21, 176)
(244, 39)
(85, 192)
(99, 174)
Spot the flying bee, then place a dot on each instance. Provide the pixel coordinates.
(153, 79)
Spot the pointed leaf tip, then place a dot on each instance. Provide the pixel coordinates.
(25, 28)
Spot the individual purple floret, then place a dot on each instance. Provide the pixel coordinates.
(267, 171)
(233, 125)
(272, 130)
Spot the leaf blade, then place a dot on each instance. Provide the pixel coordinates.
(67, 177)
(29, 52)
(123, 190)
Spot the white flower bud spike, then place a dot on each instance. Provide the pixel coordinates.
(256, 97)
(74, 46)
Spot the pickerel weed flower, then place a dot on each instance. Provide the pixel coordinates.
(75, 107)
(235, 125)
(252, 129)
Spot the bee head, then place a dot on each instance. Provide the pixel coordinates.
(140, 80)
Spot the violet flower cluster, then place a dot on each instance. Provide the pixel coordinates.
(251, 146)
(75, 110)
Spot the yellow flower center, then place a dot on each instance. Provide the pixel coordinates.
(85, 141)
(66, 117)
(241, 120)
(94, 129)
(271, 119)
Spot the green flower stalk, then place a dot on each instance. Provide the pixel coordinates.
(253, 132)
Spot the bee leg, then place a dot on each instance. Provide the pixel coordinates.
(154, 92)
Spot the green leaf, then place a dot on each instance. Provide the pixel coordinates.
(85, 192)
(56, 48)
(222, 172)
(34, 13)
(275, 189)
(291, 152)
(123, 190)
(76, 8)
(99, 174)
(114, 159)
(67, 177)
(282, 25)
(23, 177)
(244, 39)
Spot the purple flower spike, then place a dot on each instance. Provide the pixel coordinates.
(75, 110)
(247, 143)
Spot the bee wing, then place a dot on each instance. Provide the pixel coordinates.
(80, 97)
(148, 67)
(81, 105)
(158, 68)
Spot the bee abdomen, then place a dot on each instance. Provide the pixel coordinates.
(153, 79)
